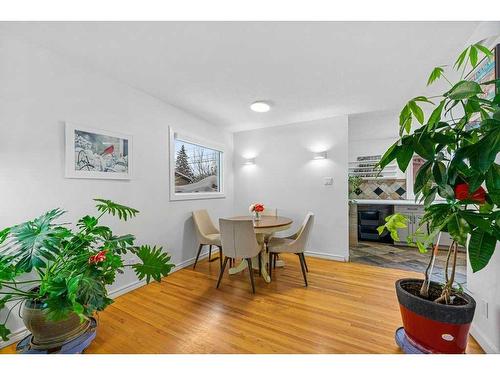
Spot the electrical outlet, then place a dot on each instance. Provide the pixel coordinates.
(328, 181)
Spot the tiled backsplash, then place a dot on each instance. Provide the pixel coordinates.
(380, 189)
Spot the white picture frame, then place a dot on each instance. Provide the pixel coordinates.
(180, 196)
(89, 162)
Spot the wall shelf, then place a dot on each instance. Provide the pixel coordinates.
(366, 168)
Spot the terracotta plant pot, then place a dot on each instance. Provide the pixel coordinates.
(434, 327)
(49, 334)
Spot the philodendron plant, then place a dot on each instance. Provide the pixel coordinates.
(459, 142)
(67, 270)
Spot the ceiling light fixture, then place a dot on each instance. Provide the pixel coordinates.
(260, 106)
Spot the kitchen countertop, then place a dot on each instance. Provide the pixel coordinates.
(398, 202)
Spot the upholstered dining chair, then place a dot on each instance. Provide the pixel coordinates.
(239, 241)
(207, 234)
(295, 244)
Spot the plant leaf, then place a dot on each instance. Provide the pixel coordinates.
(389, 156)
(461, 59)
(4, 332)
(417, 111)
(392, 224)
(421, 176)
(464, 89)
(477, 220)
(37, 241)
(435, 74)
(458, 228)
(405, 120)
(481, 248)
(493, 183)
(439, 173)
(115, 209)
(484, 50)
(436, 113)
(424, 146)
(404, 156)
(446, 191)
(483, 153)
(473, 56)
(155, 263)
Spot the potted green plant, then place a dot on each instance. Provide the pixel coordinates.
(57, 276)
(459, 141)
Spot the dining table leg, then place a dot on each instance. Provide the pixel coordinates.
(255, 262)
(261, 260)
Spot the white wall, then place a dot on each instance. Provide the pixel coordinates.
(485, 288)
(38, 91)
(485, 284)
(372, 133)
(285, 177)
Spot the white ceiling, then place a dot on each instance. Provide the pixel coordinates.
(309, 70)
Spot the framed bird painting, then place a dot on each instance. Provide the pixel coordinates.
(94, 153)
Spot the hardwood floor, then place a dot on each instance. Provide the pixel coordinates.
(347, 308)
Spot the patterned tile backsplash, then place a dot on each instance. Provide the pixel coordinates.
(380, 189)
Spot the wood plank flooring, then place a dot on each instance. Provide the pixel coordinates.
(347, 308)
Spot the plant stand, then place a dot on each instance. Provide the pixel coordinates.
(75, 346)
(407, 345)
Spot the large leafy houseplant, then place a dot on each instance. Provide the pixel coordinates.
(66, 270)
(459, 141)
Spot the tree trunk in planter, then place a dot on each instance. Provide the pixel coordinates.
(435, 327)
(49, 334)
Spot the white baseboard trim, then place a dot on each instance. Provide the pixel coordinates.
(483, 341)
(328, 256)
(188, 262)
(126, 288)
(20, 334)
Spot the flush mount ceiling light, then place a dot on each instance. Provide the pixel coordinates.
(260, 106)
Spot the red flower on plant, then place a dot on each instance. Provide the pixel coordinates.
(98, 258)
(462, 193)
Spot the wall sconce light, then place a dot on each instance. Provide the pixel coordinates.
(249, 161)
(320, 155)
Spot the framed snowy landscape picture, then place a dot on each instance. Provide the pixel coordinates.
(196, 168)
(93, 153)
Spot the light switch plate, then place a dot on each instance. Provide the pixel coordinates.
(328, 181)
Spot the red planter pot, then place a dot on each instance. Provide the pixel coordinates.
(434, 327)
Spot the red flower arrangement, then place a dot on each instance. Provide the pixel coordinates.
(98, 258)
(462, 193)
(256, 207)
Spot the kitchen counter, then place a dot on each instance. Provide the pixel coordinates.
(414, 212)
(399, 202)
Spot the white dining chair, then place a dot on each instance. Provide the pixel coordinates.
(295, 244)
(206, 234)
(239, 241)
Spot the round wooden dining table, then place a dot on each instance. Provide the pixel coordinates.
(264, 229)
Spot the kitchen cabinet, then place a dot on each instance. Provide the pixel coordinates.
(415, 215)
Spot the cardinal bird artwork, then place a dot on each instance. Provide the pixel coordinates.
(98, 155)
(108, 150)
